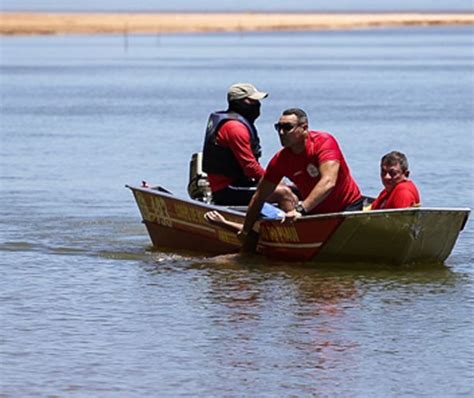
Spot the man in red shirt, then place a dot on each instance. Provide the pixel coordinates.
(399, 192)
(315, 163)
(232, 149)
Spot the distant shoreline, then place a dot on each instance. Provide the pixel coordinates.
(45, 23)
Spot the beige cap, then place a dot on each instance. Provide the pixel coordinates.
(244, 90)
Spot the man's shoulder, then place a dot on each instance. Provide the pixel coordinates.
(407, 185)
(323, 143)
(405, 189)
(280, 157)
(234, 123)
(233, 127)
(322, 137)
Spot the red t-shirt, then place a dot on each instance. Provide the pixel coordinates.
(303, 170)
(405, 194)
(235, 135)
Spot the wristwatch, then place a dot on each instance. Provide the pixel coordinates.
(300, 209)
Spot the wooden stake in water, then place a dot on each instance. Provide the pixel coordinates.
(125, 37)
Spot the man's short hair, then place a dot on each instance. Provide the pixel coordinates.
(299, 113)
(395, 157)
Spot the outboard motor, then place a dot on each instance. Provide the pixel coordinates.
(198, 185)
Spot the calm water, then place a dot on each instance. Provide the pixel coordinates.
(88, 309)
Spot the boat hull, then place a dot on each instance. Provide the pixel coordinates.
(399, 236)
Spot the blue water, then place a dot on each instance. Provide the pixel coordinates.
(88, 309)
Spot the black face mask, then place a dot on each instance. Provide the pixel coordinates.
(249, 111)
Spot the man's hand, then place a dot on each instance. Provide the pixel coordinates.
(290, 217)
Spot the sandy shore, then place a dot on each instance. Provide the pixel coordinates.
(97, 23)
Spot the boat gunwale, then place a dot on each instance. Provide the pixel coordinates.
(348, 214)
(190, 201)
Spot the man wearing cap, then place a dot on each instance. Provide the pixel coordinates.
(232, 149)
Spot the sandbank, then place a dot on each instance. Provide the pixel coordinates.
(12, 23)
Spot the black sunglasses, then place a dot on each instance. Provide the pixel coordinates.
(286, 127)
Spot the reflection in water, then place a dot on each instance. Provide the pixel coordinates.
(305, 316)
(295, 311)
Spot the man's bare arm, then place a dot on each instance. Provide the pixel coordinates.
(264, 190)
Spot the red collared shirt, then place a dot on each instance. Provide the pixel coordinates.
(303, 170)
(405, 194)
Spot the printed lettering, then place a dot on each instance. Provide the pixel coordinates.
(279, 233)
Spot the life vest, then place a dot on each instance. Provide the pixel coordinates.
(220, 160)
